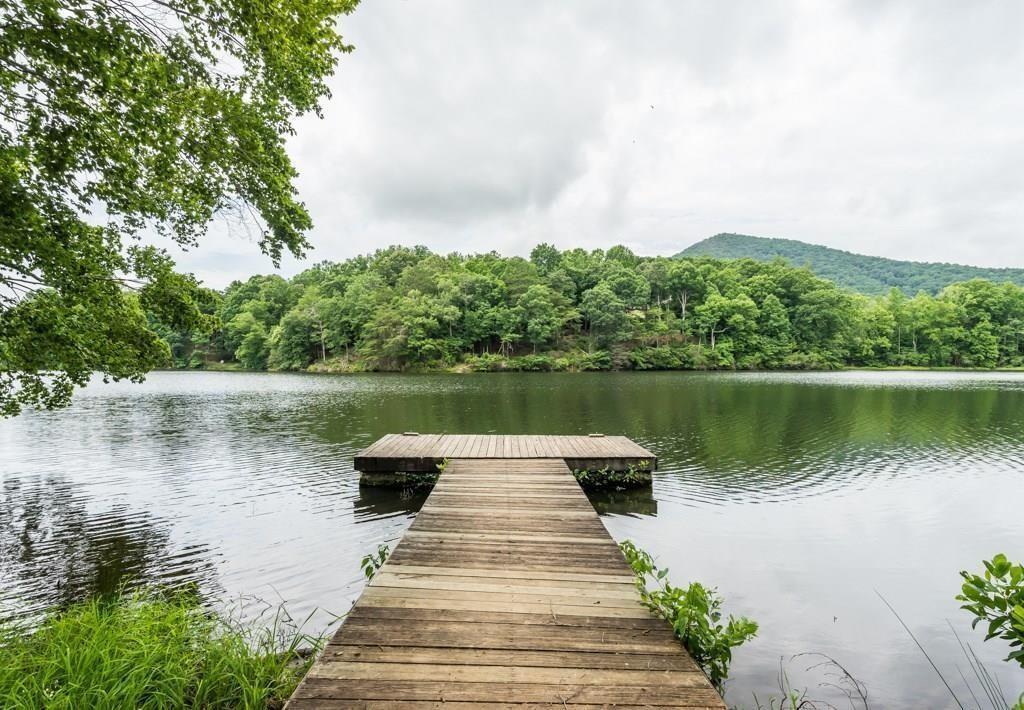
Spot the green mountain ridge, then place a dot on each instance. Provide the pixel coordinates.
(867, 274)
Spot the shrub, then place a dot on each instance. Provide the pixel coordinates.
(695, 614)
(581, 361)
(661, 357)
(532, 363)
(486, 363)
(498, 363)
(809, 361)
(996, 597)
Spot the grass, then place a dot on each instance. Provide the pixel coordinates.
(987, 683)
(833, 677)
(144, 650)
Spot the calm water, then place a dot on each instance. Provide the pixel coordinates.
(798, 495)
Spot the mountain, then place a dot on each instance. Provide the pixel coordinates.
(867, 274)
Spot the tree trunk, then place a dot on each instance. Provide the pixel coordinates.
(714, 333)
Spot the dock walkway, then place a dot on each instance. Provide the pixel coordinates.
(506, 591)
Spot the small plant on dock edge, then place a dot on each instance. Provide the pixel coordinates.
(996, 597)
(373, 562)
(695, 615)
(442, 466)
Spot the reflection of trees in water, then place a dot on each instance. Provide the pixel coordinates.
(708, 420)
(717, 433)
(629, 501)
(54, 551)
(376, 501)
(783, 438)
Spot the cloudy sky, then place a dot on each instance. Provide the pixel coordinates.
(894, 129)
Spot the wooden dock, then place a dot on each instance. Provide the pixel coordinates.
(423, 452)
(506, 591)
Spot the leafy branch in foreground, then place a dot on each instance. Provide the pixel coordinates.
(996, 597)
(124, 119)
(695, 614)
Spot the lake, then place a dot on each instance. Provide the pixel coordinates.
(801, 496)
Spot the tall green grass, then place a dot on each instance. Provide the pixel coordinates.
(143, 650)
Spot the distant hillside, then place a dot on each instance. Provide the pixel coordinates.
(867, 274)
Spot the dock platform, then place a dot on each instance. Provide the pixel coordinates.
(414, 452)
(506, 591)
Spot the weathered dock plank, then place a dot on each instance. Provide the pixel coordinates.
(507, 591)
(414, 452)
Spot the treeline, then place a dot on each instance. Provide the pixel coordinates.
(872, 275)
(407, 308)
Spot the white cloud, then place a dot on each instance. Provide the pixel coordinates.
(882, 128)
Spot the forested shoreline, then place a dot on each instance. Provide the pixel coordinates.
(403, 309)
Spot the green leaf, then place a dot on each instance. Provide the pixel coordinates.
(971, 592)
(994, 626)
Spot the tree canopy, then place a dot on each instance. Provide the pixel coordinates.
(121, 120)
(406, 308)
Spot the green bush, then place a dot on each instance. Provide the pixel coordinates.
(695, 614)
(661, 357)
(582, 361)
(146, 651)
(996, 597)
(809, 361)
(521, 363)
(532, 363)
(486, 363)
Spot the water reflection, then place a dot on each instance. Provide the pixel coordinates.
(632, 501)
(54, 550)
(377, 502)
(796, 494)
